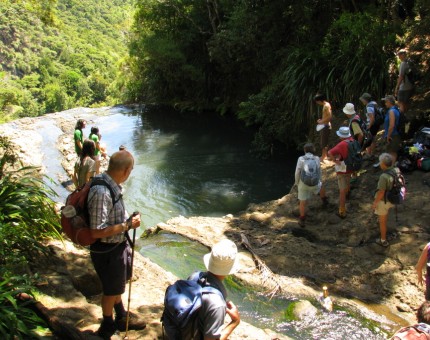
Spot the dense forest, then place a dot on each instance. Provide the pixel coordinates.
(264, 60)
(59, 54)
(261, 60)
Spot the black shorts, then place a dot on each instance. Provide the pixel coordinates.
(110, 262)
(374, 130)
(325, 134)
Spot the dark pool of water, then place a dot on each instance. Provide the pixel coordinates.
(199, 165)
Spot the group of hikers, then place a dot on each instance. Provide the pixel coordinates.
(196, 308)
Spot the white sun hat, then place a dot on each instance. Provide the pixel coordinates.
(344, 132)
(222, 259)
(349, 109)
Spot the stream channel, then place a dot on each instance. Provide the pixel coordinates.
(201, 166)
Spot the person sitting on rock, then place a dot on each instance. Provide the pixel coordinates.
(308, 180)
(421, 330)
(85, 167)
(78, 135)
(423, 260)
(338, 154)
(220, 262)
(381, 205)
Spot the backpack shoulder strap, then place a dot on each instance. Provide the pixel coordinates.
(197, 277)
(102, 182)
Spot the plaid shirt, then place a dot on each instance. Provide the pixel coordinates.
(101, 210)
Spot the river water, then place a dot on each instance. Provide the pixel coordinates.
(203, 166)
(191, 166)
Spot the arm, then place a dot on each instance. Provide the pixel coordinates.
(233, 312)
(392, 122)
(379, 196)
(75, 178)
(117, 228)
(91, 171)
(298, 171)
(400, 79)
(421, 263)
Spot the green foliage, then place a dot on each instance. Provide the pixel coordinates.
(263, 60)
(57, 54)
(16, 320)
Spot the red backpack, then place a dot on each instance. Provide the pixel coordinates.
(75, 220)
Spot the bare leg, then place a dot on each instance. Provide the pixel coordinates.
(323, 154)
(342, 201)
(383, 226)
(108, 302)
(302, 208)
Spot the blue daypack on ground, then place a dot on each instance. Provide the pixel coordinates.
(182, 302)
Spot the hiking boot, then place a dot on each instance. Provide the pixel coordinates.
(106, 330)
(134, 322)
(382, 243)
(302, 221)
(341, 215)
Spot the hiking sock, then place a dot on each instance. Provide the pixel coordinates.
(107, 319)
(120, 311)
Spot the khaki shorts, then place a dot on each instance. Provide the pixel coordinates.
(394, 145)
(382, 208)
(404, 95)
(305, 192)
(343, 181)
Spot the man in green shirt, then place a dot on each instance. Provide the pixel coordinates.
(381, 205)
(78, 135)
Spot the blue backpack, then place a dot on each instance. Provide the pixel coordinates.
(182, 302)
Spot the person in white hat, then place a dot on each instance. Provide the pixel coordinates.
(354, 122)
(404, 87)
(220, 262)
(338, 154)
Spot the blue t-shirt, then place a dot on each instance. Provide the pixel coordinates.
(387, 121)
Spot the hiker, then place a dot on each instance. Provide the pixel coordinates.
(109, 223)
(374, 120)
(96, 136)
(308, 180)
(78, 135)
(85, 166)
(339, 154)
(391, 123)
(419, 331)
(220, 262)
(419, 268)
(325, 120)
(404, 87)
(381, 205)
(354, 121)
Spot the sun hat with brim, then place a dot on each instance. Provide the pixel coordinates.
(343, 132)
(366, 96)
(390, 98)
(402, 51)
(222, 260)
(349, 109)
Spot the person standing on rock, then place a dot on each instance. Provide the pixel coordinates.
(391, 127)
(422, 262)
(373, 123)
(308, 180)
(381, 205)
(404, 87)
(95, 136)
(78, 136)
(109, 223)
(325, 120)
(338, 154)
(85, 166)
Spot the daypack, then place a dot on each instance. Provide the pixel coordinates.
(310, 174)
(367, 136)
(379, 112)
(354, 159)
(412, 72)
(397, 193)
(75, 220)
(416, 332)
(400, 123)
(182, 303)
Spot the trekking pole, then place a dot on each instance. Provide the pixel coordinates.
(131, 279)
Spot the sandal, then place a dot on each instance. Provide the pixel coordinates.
(382, 243)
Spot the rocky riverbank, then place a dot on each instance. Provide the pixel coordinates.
(339, 253)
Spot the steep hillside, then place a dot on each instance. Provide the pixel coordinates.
(57, 54)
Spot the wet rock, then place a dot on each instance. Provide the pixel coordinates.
(304, 310)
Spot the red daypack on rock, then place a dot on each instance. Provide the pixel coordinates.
(75, 220)
(415, 332)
